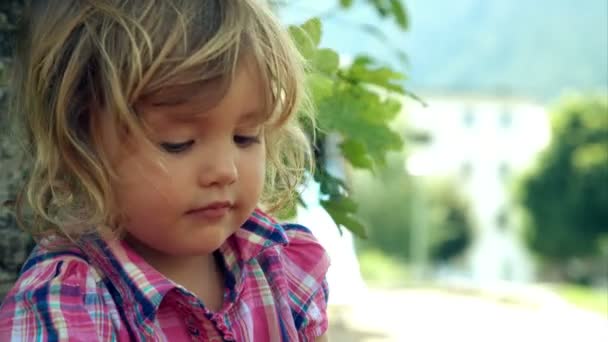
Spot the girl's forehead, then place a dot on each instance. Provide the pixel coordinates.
(244, 94)
(182, 102)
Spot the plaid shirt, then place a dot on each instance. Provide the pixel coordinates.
(275, 291)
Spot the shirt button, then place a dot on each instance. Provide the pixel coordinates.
(193, 330)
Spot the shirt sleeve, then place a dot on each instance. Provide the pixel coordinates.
(55, 300)
(306, 263)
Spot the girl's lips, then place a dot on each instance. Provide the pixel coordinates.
(213, 211)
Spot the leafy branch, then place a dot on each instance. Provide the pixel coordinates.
(356, 102)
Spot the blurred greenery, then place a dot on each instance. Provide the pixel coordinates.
(385, 9)
(381, 270)
(584, 297)
(385, 205)
(566, 195)
(451, 226)
(388, 201)
(357, 102)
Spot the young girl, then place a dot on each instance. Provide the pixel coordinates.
(156, 129)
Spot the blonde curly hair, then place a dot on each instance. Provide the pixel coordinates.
(74, 56)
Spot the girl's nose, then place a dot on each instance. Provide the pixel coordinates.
(219, 168)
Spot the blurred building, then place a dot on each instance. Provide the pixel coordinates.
(482, 142)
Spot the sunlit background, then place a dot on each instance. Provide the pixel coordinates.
(465, 241)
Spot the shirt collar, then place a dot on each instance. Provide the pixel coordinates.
(132, 281)
(259, 232)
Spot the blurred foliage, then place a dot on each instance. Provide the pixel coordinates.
(391, 9)
(381, 270)
(449, 221)
(355, 102)
(385, 205)
(10, 12)
(385, 9)
(388, 200)
(566, 195)
(584, 297)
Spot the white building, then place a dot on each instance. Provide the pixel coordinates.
(483, 142)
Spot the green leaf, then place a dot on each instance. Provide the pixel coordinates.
(341, 212)
(346, 3)
(302, 41)
(345, 204)
(320, 86)
(330, 185)
(326, 61)
(380, 6)
(399, 13)
(363, 71)
(313, 29)
(307, 37)
(356, 153)
(590, 155)
(359, 115)
(391, 8)
(376, 110)
(391, 108)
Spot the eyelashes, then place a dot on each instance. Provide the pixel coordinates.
(246, 140)
(241, 141)
(175, 148)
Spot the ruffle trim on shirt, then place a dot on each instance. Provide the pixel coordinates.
(64, 267)
(306, 263)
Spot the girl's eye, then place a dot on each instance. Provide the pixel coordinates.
(176, 147)
(245, 141)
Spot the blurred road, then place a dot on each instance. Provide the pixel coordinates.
(434, 315)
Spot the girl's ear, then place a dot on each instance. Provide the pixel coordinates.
(122, 131)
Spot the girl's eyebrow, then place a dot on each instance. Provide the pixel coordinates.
(205, 93)
(160, 117)
(185, 108)
(252, 117)
(170, 97)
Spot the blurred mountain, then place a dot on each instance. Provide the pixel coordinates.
(537, 48)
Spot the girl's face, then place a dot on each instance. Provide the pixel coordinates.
(205, 176)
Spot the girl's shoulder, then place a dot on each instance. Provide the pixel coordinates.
(305, 263)
(288, 258)
(303, 255)
(52, 275)
(286, 249)
(57, 290)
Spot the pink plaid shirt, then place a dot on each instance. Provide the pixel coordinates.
(275, 291)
